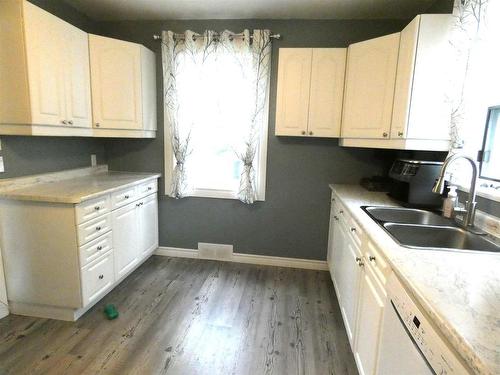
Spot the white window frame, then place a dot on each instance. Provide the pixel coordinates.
(260, 160)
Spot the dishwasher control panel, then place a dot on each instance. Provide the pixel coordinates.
(435, 351)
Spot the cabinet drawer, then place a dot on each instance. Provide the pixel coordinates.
(94, 249)
(377, 262)
(94, 228)
(97, 278)
(93, 208)
(123, 197)
(147, 188)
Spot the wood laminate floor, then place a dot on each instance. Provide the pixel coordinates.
(189, 316)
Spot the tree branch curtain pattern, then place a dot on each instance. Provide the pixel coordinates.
(189, 58)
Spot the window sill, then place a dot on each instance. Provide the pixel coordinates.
(218, 194)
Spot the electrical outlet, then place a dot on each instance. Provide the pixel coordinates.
(93, 160)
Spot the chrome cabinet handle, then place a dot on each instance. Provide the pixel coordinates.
(303, 132)
(101, 277)
(384, 134)
(371, 258)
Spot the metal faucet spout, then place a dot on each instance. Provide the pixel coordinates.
(470, 205)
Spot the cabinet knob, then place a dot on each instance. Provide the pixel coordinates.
(310, 133)
(359, 261)
(99, 248)
(371, 258)
(101, 277)
(137, 204)
(126, 197)
(303, 132)
(341, 211)
(353, 229)
(97, 124)
(336, 217)
(97, 208)
(150, 188)
(70, 122)
(64, 122)
(384, 134)
(400, 134)
(98, 228)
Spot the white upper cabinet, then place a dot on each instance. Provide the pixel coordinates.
(123, 87)
(416, 115)
(421, 105)
(44, 69)
(310, 91)
(369, 90)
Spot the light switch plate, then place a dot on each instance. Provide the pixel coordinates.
(2, 169)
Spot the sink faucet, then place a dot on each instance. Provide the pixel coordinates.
(470, 205)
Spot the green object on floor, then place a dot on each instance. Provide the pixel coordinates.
(111, 312)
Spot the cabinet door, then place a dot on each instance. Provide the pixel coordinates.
(148, 225)
(115, 68)
(348, 274)
(327, 91)
(294, 80)
(77, 76)
(125, 239)
(44, 53)
(369, 91)
(371, 306)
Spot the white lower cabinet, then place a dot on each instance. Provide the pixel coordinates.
(135, 233)
(370, 312)
(359, 273)
(82, 251)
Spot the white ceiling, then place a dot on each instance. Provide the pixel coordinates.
(241, 9)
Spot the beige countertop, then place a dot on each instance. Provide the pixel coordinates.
(75, 189)
(460, 291)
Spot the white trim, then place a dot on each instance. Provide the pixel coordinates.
(4, 310)
(263, 260)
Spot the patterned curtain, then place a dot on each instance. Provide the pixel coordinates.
(194, 54)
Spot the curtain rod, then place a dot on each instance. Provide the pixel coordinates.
(181, 36)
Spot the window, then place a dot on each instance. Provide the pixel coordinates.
(490, 160)
(216, 101)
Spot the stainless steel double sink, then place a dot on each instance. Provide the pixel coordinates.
(422, 229)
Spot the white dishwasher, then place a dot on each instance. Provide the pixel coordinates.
(409, 344)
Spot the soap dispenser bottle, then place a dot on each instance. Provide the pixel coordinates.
(450, 202)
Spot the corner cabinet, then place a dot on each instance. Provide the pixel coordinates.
(123, 88)
(83, 251)
(310, 91)
(369, 90)
(397, 88)
(45, 76)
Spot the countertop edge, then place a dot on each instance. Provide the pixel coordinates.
(454, 338)
(76, 200)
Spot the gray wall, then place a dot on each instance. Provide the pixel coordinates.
(32, 155)
(293, 221)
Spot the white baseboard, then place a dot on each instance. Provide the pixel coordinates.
(4, 310)
(248, 258)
